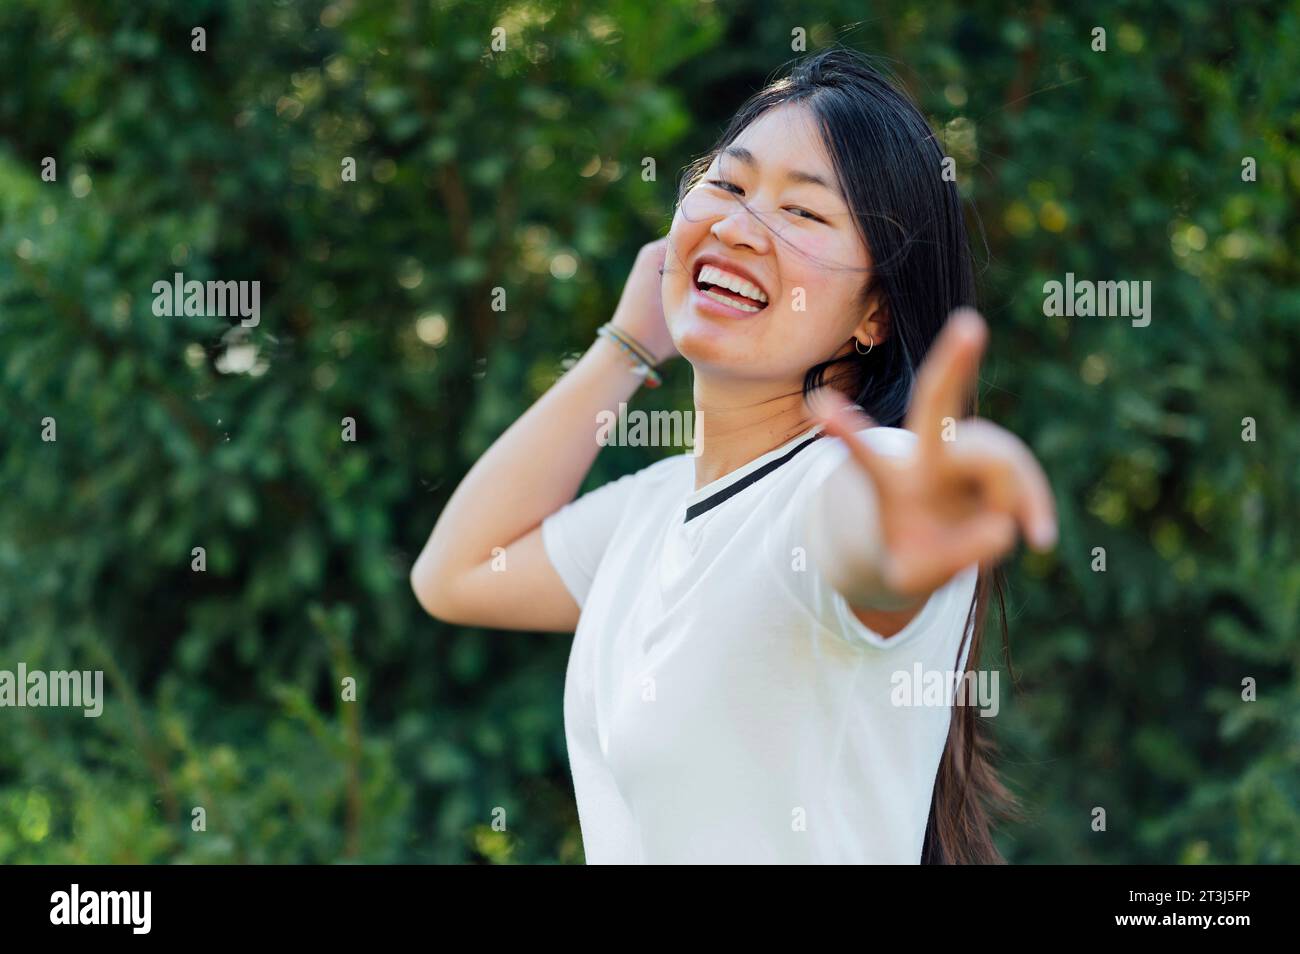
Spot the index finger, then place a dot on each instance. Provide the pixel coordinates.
(947, 376)
(844, 420)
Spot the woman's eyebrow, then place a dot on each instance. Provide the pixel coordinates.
(794, 175)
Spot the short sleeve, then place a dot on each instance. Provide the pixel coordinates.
(945, 612)
(943, 615)
(576, 536)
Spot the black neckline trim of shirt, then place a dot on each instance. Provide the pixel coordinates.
(726, 493)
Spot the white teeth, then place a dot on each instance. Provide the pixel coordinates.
(730, 302)
(716, 276)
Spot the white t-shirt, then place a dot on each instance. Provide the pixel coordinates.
(722, 703)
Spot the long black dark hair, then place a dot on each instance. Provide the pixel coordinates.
(890, 168)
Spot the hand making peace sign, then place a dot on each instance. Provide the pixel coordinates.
(955, 501)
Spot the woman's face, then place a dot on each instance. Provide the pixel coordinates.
(796, 246)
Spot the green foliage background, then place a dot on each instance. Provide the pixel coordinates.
(522, 169)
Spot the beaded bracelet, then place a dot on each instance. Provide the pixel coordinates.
(642, 360)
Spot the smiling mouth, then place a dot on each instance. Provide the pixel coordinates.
(745, 297)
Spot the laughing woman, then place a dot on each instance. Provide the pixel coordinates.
(750, 620)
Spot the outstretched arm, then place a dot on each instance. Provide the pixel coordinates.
(888, 532)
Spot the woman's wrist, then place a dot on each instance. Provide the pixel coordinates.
(641, 359)
(849, 542)
(607, 360)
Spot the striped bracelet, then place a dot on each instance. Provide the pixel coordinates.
(637, 347)
(643, 361)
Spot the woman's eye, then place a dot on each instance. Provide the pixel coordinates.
(806, 214)
(725, 185)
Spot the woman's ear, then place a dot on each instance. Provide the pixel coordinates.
(875, 325)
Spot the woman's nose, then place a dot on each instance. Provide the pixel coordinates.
(741, 227)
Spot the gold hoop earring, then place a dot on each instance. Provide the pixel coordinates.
(857, 345)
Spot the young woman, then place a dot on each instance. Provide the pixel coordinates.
(748, 616)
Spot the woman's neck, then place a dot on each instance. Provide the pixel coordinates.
(740, 421)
